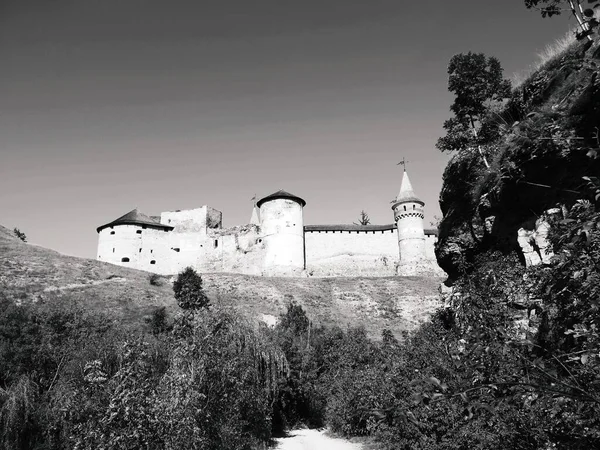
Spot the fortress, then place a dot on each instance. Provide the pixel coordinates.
(275, 242)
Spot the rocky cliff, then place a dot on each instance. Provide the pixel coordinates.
(539, 167)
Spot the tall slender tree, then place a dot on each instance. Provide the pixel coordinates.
(477, 82)
(363, 219)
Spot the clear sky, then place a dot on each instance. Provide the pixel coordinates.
(108, 105)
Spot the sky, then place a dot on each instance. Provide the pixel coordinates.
(109, 105)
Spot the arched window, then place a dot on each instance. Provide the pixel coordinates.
(112, 232)
(125, 259)
(404, 207)
(138, 231)
(153, 262)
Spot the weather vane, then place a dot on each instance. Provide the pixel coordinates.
(403, 163)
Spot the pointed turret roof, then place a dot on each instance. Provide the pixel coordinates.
(255, 219)
(134, 217)
(407, 194)
(281, 194)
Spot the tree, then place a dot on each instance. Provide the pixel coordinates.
(189, 292)
(363, 218)
(477, 82)
(20, 234)
(584, 16)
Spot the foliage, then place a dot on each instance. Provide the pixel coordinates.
(18, 233)
(220, 384)
(585, 16)
(476, 81)
(155, 279)
(363, 218)
(70, 380)
(189, 292)
(159, 321)
(299, 401)
(16, 415)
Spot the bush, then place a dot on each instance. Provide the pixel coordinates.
(159, 321)
(155, 279)
(18, 233)
(189, 292)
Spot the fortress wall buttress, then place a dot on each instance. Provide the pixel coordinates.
(351, 253)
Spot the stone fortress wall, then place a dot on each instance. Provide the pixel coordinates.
(277, 243)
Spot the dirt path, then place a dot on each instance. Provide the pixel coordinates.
(313, 440)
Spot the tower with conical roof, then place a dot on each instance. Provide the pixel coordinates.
(409, 215)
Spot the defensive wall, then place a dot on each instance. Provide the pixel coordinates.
(358, 250)
(330, 250)
(277, 243)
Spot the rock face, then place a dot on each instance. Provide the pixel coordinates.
(546, 131)
(535, 246)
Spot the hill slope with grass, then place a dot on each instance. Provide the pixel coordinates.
(31, 273)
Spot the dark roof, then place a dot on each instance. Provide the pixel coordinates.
(134, 217)
(353, 227)
(281, 194)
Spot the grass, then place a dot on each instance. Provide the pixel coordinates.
(550, 52)
(31, 273)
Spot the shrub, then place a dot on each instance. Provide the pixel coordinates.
(189, 292)
(155, 279)
(158, 320)
(20, 234)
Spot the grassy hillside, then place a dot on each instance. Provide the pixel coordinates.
(31, 273)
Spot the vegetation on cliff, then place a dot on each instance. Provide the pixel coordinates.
(524, 340)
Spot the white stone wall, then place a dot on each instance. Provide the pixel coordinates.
(140, 245)
(282, 233)
(351, 253)
(430, 240)
(278, 247)
(243, 252)
(192, 220)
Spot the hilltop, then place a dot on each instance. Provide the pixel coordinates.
(32, 273)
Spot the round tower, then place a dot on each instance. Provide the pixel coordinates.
(282, 233)
(133, 240)
(409, 215)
